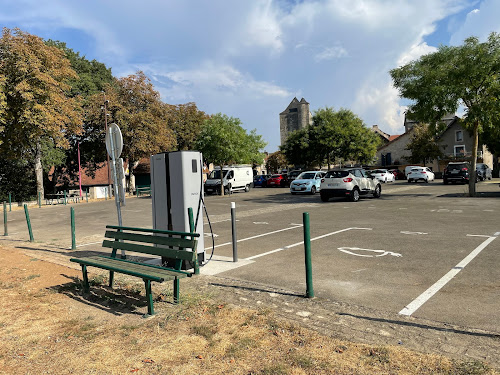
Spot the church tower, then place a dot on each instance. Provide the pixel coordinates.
(296, 116)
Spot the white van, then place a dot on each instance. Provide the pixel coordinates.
(237, 177)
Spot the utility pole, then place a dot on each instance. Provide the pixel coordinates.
(106, 128)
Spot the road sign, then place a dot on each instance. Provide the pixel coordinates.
(117, 140)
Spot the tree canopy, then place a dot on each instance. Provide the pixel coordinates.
(223, 141)
(34, 102)
(465, 76)
(334, 135)
(423, 145)
(276, 161)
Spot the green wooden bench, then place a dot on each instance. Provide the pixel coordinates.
(143, 190)
(176, 247)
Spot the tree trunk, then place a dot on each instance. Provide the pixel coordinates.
(472, 172)
(39, 171)
(131, 175)
(221, 182)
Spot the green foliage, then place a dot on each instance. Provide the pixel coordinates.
(223, 140)
(333, 135)
(423, 145)
(16, 177)
(440, 82)
(186, 120)
(276, 162)
(93, 76)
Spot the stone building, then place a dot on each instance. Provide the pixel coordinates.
(296, 116)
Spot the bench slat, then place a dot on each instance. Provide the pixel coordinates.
(134, 269)
(152, 266)
(168, 253)
(159, 240)
(148, 230)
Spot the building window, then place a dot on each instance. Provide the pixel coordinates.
(460, 150)
(459, 136)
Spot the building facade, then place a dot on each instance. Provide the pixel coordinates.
(295, 117)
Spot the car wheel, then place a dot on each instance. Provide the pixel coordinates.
(355, 195)
(293, 193)
(227, 189)
(378, 191)
(409, 180)
(247, 188)
(426, 180)
(324, 197)
(313, 190)
(445, 181)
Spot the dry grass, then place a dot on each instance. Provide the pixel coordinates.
(45, 331)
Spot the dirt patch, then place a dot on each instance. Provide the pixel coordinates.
(222, 326)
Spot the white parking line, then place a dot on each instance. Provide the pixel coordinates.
(301, 242)
(425, 296)
(257, 236)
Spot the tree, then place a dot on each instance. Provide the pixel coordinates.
(276, 161)
(423, 145)
(186, 120)
(223, 141)
(441, 82)
(299, 150)
(36, 105)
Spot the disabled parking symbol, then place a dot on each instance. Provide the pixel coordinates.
(368, 253)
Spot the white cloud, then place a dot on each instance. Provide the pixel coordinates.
(331, 53)
(415, 52)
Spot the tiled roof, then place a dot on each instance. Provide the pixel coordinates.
(393, 137)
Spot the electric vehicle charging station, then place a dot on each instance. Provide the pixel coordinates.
(176, 185)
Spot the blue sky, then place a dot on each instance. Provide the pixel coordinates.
(249, 59)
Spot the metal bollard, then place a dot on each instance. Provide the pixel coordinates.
(73, 239)
(10, 203)
(307, 250)
(28, 222)
(87, 195)
(5, 231)
(65, 197)
(39, 199)
(233, 230)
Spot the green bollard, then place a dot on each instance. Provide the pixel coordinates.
(5, 231)
(87, 195)
(307, 249)
(10, 203)
(73, 239)
(28, 222)
(39, 199)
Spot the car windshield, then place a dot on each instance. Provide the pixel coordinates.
(306, 176)
(336, 174)
(215, 174)
(417, 169)
(378, 171)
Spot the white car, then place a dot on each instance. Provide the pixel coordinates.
(383, 175)
(307, 182)
(420, 173)
(350, 183)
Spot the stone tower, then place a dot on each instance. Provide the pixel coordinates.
(296, 116)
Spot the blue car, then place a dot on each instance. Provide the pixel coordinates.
(260, 180)
(307, 182)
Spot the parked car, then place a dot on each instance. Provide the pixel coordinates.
(307, 182)
(409, 168)
(292, 175)
(457, 172)
(260, 180)
(420, 173)
(398, 174)
(383, 175)
(276, 180)
(350, 183)
(483, 172)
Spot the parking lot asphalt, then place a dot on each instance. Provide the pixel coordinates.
(421, 250)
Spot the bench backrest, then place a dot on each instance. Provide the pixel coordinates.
(179, 246)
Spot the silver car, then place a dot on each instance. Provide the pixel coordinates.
(350, 183)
